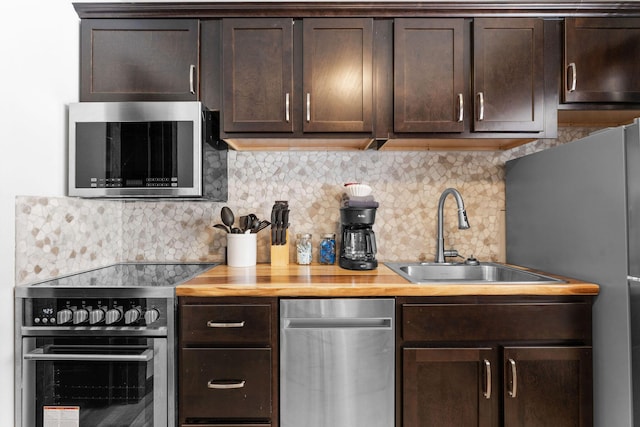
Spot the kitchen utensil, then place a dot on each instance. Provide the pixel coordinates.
(244, 222)
(262, 225)
(274, 226)
(284, 226)
(256, 224)
(227, 217)
(222, 227)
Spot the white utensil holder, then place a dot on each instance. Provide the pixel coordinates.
(241, 249)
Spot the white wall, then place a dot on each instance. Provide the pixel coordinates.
(39, 76)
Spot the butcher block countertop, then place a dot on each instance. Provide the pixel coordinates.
(318, 280)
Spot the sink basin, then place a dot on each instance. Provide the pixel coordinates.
(484, 273)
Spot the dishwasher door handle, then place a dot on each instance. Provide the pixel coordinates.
(377, 323)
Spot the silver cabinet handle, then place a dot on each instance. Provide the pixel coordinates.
(212, 324)
(192, 78)
(308, 107)
(574, 77)
(286, 107)
(225, 385)
(513, 391)
(481, 107)
(487, 373)
(460, 107)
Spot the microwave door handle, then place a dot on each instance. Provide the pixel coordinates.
(39, 355)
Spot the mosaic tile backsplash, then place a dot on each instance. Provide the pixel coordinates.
(57, 236)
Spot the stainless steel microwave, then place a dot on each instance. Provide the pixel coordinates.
(145, 150)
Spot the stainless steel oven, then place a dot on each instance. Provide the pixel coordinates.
(98, 348)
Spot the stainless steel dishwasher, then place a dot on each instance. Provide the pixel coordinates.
(337, 362)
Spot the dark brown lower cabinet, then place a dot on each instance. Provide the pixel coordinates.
(490, 362)
(228, 362)
(539, 387)
(547, 386)
(449, 387)
(237, 380)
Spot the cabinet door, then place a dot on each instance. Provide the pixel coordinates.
(449, 387)
(547, 386)
(139, 59)
(429, 79)
(257, 58)
(337, 75)
(508, 74)
(601, 60)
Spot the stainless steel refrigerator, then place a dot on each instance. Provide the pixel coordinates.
(575, 210)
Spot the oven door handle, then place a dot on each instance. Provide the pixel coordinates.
(39, 354)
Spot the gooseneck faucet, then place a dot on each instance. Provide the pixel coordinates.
(463, 223)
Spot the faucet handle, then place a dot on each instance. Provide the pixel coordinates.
(451, 253)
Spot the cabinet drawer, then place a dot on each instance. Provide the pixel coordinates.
(226, 324)
(225, 383)
(478, 322)
(226, 425)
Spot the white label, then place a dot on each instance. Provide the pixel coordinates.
(61, 416)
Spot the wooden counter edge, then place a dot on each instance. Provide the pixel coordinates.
(331, 281)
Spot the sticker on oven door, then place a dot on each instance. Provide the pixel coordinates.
(61, 416)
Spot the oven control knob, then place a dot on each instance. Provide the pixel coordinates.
(96, 316)
(151, 316)
(131, 316)
(80, 316)
(64, 316)
(114, 315)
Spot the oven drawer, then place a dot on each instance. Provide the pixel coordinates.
(225, 324)
(226, 383)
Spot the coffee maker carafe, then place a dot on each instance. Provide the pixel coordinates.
(358, 249)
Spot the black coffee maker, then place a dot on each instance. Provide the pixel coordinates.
(358, 249)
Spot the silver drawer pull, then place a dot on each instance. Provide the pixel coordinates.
(574, 77)
(212, 324)
(308, 107)
(192, 78)
(481, 107)
(286, 107)
(513, 391)
(487, 373)
(460, 108)
(225, 385)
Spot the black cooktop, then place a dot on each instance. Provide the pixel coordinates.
(130, 275)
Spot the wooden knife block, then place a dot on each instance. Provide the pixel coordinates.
(280, 253)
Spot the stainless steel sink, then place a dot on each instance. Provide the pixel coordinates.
(483, 273)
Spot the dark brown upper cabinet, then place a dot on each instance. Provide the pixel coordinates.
(433, 87)
(429, 77)
(338, 75)
(601, 60)
(139, 59)
(257, 58)
(508, 74)
(286, 78)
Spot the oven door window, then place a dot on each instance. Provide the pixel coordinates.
(111, 382)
